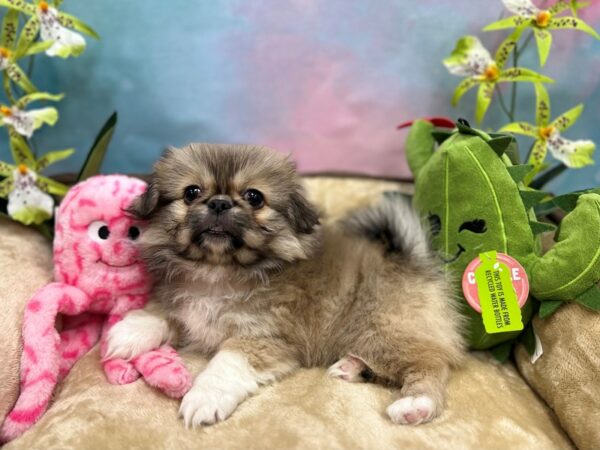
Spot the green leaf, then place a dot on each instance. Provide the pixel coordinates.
(96, 154)
(509, 22)
(10, 24)
(541, 227)
(484, 97)
(462, 88)
(519, 171)
(542, 105)
(565, 120)
(28, 35)
(15, 73)
(507, 47)
(70, 21)
(52, 157)
(500, 144)
(37, 96)
(532, 198)
(573, 23)
(548, 176)
(543, 39)
(21, 152)
(502, 351)
(19, 5)
(6, 169)
(549, 307)
(51, 186)
(5, 187)
(524, 128)
(523, 75)
(590, 298)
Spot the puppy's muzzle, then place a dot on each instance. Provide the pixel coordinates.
(220, 204)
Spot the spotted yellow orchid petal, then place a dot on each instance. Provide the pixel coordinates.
(573, 23)
(538, 155)
(543, 39)
(52, 157)
(19, 5)
(10, 25)
(5, 187)
(542, 105)
(462, 88)
(559, 7)
(523, 74)
(484, 98)
(574, 154)
(69, 21)
(52, 186)
(5, 169)
(523, 128)
(469, 58)
(508, 22)
(19, 148)
(15, 73)
(523, 8)
(28, 34)
(565, 120)
(507, 47)
(37, 96)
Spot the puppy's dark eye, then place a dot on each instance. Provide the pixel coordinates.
(435, 224)
(133, 233)
(255, 198)
(475, 226)
(191, 193)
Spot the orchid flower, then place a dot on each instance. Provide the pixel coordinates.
(55, 27)
(541, 21)
(548, 136)
(26, 122)
(471, 59)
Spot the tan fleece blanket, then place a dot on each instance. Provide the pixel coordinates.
(489, 405)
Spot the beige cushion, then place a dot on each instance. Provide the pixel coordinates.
(489, 405)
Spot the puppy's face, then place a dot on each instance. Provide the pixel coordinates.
(231, 206)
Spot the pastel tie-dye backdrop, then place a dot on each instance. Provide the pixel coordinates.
(326, 80)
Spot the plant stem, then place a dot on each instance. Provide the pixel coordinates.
(503, 105)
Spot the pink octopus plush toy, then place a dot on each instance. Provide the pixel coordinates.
(98, 279)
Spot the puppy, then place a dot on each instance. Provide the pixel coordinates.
(247, 276)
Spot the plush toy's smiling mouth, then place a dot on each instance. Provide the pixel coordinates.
(461, 249)
(117, 266)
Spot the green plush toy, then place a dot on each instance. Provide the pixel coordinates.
(473, 197)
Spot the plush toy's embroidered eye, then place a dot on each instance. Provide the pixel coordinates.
(435, 224)
(475, 226)
(191, 193)
(255, 198)
(98, 231)
(133, 233)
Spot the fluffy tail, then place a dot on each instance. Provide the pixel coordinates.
(394, 222)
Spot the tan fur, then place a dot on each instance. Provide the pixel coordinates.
(291, 293)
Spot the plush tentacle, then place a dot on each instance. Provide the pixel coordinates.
(80, 333)
(164, 369)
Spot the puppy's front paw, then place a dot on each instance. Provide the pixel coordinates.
(137, 333)
(349, 368)
(207, 405)
(412, 410)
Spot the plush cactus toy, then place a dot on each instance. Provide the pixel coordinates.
(472, 195)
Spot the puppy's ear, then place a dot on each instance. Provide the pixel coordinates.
(301, 214)
(145, 205)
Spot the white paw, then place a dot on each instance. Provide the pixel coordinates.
(207, 405)
(349, 368)
(412, 410)
(137, 333)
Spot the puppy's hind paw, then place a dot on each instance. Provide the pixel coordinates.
(349, 368)
(412, 410)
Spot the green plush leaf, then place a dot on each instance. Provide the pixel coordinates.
(532, 198)
(462, 88)
(548, 176)
(28, 35)
(10, 24)
(440, 135)
(590, 298)
(543, 39)
(522, 74)
(506, 47)
(52, 157)
(541, 227)
(96, 154)
(508, 22)
(51, 186)
(5, 187)
(518, 172)
(37, 96)
(502, 351)
(500, 144)
(568, 202)
(6, 169)
(542, 105)
(524, 128)
(70, 21)
(549, 307)
(19, 5)
(20, 150)
(565, 120)
(545, 208)
(561, 23)
(15, 73)
(484, 98)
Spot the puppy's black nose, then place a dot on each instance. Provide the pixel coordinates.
(218, 205)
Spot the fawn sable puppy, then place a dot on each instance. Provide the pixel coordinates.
(247, 276)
